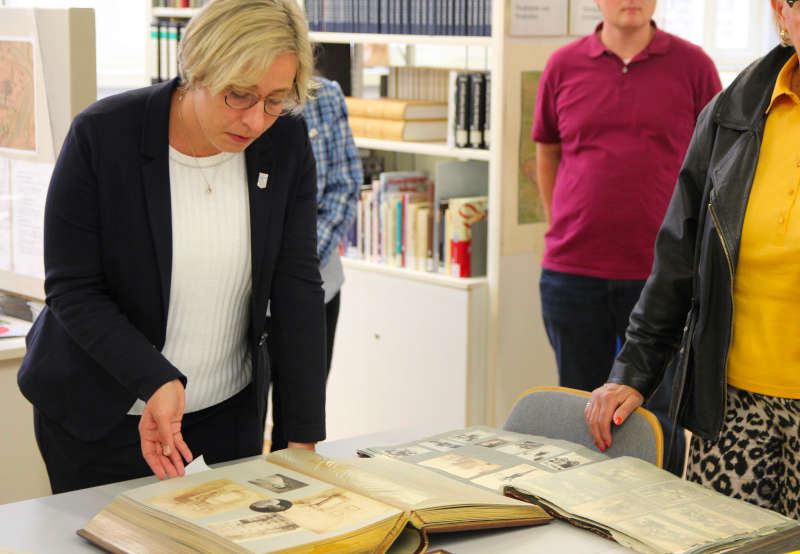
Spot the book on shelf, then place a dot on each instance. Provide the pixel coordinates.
(477, 120)
(418, 83)
(399, 130)
(458, 179)
(395, 108)
(466, 235)
(463, 109)
(296, 500)
(651, 510)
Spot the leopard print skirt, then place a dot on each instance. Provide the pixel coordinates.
(757, 456)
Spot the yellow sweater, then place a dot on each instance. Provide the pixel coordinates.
(765, 350)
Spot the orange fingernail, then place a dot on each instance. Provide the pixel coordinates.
(618, 420)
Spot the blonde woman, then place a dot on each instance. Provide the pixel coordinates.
(174, 213)
(722, 299)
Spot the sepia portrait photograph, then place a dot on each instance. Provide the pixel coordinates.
(271, 505)
(465, 467)
(207, 499)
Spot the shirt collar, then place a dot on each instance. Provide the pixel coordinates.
(783, 86)
(658, 45)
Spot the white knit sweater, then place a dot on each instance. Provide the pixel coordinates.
(211, 277)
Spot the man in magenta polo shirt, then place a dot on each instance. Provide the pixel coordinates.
(614, 115)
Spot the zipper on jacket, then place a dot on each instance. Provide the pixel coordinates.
(730, 325)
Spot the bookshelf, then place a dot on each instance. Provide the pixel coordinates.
(412, 347)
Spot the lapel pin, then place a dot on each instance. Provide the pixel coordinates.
(313, 132)
(262, 180)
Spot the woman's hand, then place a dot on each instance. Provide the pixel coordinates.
(611, 402)
(163, 447)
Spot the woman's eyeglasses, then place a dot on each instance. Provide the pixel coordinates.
(273, 105)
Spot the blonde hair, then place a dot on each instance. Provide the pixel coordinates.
(233, 42)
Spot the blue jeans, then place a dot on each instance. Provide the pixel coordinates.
(585, 319)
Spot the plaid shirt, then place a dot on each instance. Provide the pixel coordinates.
(339, 173)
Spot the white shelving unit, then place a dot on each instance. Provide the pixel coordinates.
(411, 346)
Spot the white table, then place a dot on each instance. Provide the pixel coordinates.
(48, 524)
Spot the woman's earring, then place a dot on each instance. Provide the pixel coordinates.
(785, 38)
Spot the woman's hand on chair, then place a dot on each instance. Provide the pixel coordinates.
(611, 402)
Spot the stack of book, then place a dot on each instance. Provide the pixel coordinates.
(396, 119)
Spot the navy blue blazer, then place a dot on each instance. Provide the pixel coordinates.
(96, 347)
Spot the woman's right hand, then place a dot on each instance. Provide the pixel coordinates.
(163, 446)
(611, 402)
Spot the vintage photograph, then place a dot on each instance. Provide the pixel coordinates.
(518, 447)
(471, 436)
(278, 482)
(334, 509)
(253, 528)
(207, 499)
(491, 443)
(497, 480)
(441, 445)
(566, 461)
(542, 453)
(405, 451)
(271, 505)
(461, 466)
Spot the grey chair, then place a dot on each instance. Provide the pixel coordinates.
(557, 412)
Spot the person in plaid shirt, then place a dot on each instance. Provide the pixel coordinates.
(339, 179)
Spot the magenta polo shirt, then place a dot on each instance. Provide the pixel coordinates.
(623, 131)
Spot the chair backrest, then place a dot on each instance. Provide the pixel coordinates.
(557, 412)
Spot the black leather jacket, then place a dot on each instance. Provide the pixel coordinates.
(686, 307)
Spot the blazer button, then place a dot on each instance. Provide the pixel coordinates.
(263, 338)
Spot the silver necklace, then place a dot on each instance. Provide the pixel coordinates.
(209, 189)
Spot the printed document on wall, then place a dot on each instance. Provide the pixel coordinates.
(29, 181)
(5, 216)
(538, 17)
